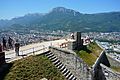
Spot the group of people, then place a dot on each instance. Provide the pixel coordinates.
(9, 45)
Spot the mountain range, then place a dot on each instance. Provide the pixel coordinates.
(61, 18)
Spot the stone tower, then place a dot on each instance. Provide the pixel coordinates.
(79, 41)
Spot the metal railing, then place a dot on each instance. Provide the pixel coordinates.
(42, 48)
(30, 50)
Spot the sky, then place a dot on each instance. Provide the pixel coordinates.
(15, 8)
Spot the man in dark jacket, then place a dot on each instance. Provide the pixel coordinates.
(17, 46)
(10, 40)
(0, 47)
(4, 43)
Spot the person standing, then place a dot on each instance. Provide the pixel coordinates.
(4, 43)
(17, 46)
(10, 40)
(0, 47)
(72, 36)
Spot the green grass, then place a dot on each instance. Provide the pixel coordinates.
(96, 50)
(90, 54)
(34, 68)
(87, 57)
(115, 68)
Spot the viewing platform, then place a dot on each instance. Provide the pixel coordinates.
(34, 49)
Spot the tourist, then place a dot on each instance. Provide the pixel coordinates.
(0, 47)
(4, 43)
(72, 36)
(17, 46)
(10, 40)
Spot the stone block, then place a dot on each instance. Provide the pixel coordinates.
(2, 58)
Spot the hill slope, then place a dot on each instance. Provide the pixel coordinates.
(61, 18)
(34, 68)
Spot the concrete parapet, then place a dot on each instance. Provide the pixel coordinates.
(101, 59)
(112, 61)
(109, 73)
(62, 50)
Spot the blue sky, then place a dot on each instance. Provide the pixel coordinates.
(15, 8)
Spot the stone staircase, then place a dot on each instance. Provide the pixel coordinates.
(68, 75)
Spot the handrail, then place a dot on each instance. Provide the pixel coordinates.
(32, 50)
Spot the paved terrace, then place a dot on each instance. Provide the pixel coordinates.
(33, 49)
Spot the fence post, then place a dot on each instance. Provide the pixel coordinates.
(22, 52)
(58, 44)
(51, 44)
(43, 48)
(33, 51)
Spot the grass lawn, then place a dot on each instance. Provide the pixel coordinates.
(34, 68)
(90, 54)
(96, 50)
(115, 68)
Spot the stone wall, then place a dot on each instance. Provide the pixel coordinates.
(76, 65)
(112, 61)
(110, 74)
(72, 45)
(81, 70)
(101, 59)
(98, 73)
(103, 72)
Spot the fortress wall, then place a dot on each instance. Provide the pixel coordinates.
(75, 64)
(82, 71)
(109, 73)
(112, 61)
(102, 70)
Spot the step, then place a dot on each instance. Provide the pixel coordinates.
(68, 75)
(70, 78)
(65, 74)
(64, 70)
(60, 66)
(50, 55)
(57, 64)
(63, 67)
(74, 78)
(54, 59)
